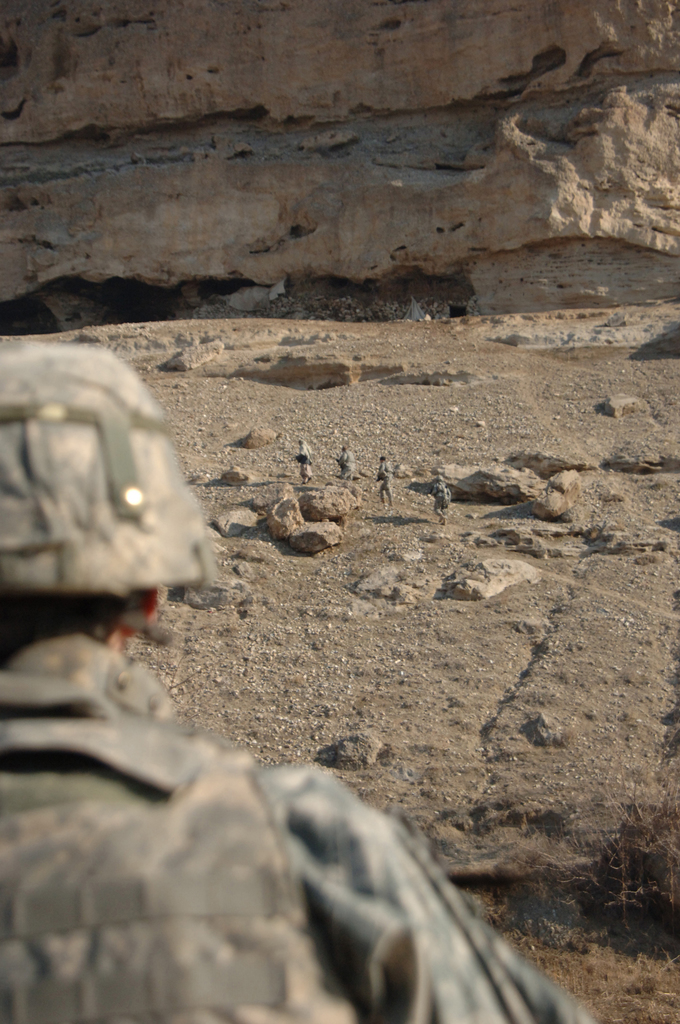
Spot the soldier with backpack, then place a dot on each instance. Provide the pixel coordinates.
(304, 459)
(442, 497)
(385, 476)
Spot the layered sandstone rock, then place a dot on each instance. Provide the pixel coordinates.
(527, 151)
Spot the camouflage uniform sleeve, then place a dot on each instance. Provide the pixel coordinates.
(403, 940)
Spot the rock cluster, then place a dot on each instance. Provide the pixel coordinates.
(311, 522)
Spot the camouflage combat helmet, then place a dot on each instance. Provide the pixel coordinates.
(91, 497)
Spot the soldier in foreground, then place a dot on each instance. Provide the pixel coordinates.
(442, 497)
(149, 873)
(347, 463)
(386, 476)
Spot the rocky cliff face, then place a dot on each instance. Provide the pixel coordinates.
(527, 153)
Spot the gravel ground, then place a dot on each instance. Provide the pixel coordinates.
(440, 691)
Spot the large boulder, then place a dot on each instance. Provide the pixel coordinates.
(235, 522)
(482, 580)
(235, 476)
(563, 490)
(359, 750)
(310, 539)
(284, 518)
(497, 483)
(259, 437)
(327, 504)
(266, 497)
(546, 465)
(624, 405)
(644, 464)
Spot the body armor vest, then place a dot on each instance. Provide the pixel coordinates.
(181, 910)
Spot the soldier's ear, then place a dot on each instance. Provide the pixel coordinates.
(149, 604)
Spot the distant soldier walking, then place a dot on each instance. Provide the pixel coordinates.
(347, 463)
(442, 497)
(304, 457)
(385, 475)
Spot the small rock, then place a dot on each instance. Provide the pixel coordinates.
(235, 522)
(563, 490)
(193, 356)
(541, 732)
(252, 553)
(623, 405)
(284, 518)
(403, 472)
(259, 437)
(244, 570)
(312, 539)
(488, 578)
(235, 476)
(360, 750)
(327, 504)
(650, 558)
(380, 583)
(531, 627)
(199, 476)
(266, 497)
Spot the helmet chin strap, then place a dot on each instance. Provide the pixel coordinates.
(141, 619)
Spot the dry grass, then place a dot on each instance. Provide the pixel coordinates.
(638, 870)
(621, 956)
(614, 982)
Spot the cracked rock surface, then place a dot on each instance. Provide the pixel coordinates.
(526, 154)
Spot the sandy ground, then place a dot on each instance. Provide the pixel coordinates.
(441, 687)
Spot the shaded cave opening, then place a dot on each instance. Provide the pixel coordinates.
(69, 304)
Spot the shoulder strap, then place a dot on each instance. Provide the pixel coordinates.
(156, 753)
(38, 692)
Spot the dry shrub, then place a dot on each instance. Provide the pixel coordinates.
(639, 867)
